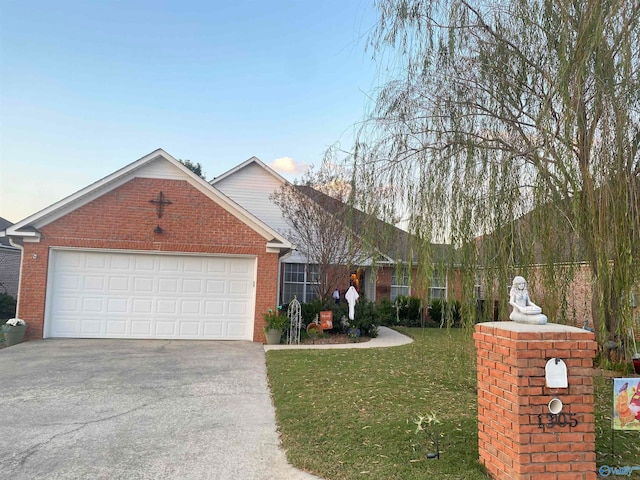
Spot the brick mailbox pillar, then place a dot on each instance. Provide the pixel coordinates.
(518, 436)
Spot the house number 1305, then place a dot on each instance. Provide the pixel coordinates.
(557, 420)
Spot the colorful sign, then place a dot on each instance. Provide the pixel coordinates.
(326, 320)
(626, 403)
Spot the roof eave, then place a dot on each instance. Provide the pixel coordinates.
(244, 164)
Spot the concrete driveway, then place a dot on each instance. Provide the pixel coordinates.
(130, 409)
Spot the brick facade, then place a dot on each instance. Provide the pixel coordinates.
(512, 393)
(383, 283)
(124, 219)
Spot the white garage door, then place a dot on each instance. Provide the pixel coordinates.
(96, 294)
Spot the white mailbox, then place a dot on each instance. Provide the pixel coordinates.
(555, 373)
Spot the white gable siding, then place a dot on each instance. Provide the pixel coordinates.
(251, 187)
(160, 168)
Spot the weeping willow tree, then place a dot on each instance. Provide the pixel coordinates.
(510, 130)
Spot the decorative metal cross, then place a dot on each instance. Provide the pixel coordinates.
(160, 202)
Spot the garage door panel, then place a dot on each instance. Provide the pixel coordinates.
(212, 329)
(92, 305)
(239, 287)
(72, 264)
(193, 265)
(116, 262)
(189, 329)
(69, 282)
(116, 328)
(164, 307)
(119, 284)
(118, 305)
(98, 262)
(215, 286)
(239, 267)
(142, 327)
(216, 265)
(142, 306)
(168, 285)
(167, 328)
(237, 309)
(66, 328)
(66, 304)
(190, 307)
(214, 307)
(144, 263)
(192, 286)
(168, 264)
(132, 295)
(235, 329)
(91, 326)
(91, 282)
(143, 285)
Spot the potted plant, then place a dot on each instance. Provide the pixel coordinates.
(13, 331)
(274, 324)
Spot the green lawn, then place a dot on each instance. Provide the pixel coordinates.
(348, 414)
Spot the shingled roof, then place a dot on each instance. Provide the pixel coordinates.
(390, 241)
(4, 224)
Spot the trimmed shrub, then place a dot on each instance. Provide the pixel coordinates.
(409, 311)
(313, 308)
(7, 306)
(386, 312)
(366, 318)
(310, 310)
(435, 311)
(445, 313)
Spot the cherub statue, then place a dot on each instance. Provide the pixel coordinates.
(524, 310)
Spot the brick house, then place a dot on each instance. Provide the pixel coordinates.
(150, 251)
(154, 251)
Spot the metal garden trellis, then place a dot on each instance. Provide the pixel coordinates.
(294, 313)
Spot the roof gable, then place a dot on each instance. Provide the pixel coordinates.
(251, 185)
(157, 164)
(251, 162)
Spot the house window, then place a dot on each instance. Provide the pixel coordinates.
(399, 283)
(438, 288)
(299, 280)
(478, 287)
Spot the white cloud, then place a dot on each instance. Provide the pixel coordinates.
(288, 165)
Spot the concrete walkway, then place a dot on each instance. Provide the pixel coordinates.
(386, 338)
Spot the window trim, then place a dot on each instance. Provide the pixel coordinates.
(308, 292)
(404, 288)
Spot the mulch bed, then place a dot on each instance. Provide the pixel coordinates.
(336, 338)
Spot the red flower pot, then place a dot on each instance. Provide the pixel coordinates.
(636, 365)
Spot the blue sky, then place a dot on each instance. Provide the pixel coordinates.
(87, 87)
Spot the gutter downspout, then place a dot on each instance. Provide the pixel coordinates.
(281, 256)
(13, 243)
